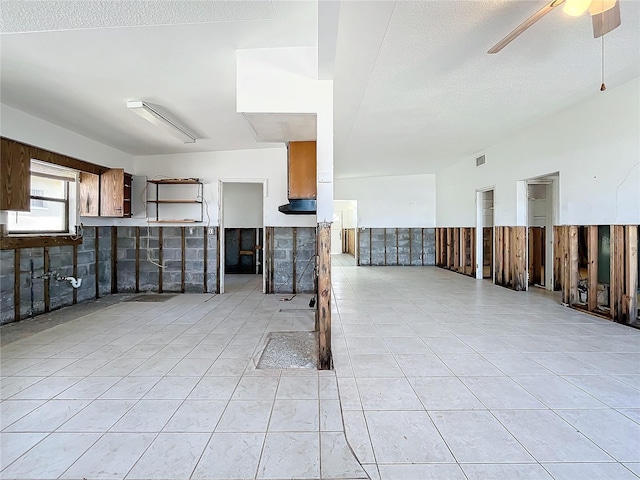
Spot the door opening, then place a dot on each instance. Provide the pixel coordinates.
(241, 234)
(484, 237)
(540, 220)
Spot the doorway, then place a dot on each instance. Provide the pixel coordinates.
(344, 231)
(243, 250)
(541, 215)
(241, 233)
(484, 242)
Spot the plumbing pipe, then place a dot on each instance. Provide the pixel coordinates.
(31, 277)
(75, 282)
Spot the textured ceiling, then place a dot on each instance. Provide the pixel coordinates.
(423, 91)
(39, 16)
(82, 79)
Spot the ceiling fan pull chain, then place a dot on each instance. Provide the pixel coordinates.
(603, 86)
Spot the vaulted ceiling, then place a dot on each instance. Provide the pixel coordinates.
(414, 88)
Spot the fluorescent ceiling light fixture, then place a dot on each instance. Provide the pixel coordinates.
(152, 115)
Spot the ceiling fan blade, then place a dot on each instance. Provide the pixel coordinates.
(525, 25)
(606, 21)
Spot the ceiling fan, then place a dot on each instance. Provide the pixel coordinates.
(605, 16)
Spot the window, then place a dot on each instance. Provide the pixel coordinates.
(52, 202)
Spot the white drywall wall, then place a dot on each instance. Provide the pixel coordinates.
(31, 130)
(595, 148)
(237, 166)
(242, 205)
(399, 201)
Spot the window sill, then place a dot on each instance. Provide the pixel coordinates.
(11, 242)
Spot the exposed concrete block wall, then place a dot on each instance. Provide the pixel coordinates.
(194, 260)
(7, 279)
(172, 259)
(148, 271)
(86, 265)
(104, 260)
(60, 262)
(305, 259)
(212, 259)
(396, 246)
(26, 256)
(129, 252)
(293, 263)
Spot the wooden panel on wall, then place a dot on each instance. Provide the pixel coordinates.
(557, 258)
(592, 267)
(573, 264)
(302, 170)
(616, 287)
(89, 201)
(631, 273)
(15, 178)
(519, 261)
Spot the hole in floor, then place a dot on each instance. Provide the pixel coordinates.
(290, 350)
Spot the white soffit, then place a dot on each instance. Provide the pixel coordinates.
(40, 16)
(283, 127)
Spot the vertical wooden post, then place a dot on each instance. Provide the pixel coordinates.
(16, 284)
(499, 263)
(183, 233)
(218, 259)
(520, 258)
(573, 265)
(294, 251)
(507, 257)
(114, 259)
(617, 272)
(592, 267)
(160, 260)
(397, 249)
(456, 249)
(97, 260)
(75, 273)
(47, 283)
(410, 247)
(385, 246)
(631, 272)
(137, 259)
(474, 232)
(566, 266)
(324, 296)
(205, 239)
(557, 258)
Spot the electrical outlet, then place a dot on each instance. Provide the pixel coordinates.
(210, 231)
(191, 230)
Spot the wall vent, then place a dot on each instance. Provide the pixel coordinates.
(480, 160)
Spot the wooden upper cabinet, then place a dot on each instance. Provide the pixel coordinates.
(15, 176)
(89, 201)
(302, 170)
(115, 193)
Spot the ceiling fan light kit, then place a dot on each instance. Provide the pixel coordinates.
(575, 8)
(152, 115)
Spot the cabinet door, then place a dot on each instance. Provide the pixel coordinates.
(15, 181)
(89, 194)
(112, 193)
(302, 170)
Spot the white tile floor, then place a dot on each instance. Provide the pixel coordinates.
(437, 376)
(446, 377)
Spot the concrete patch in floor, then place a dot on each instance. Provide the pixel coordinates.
(290, 350)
